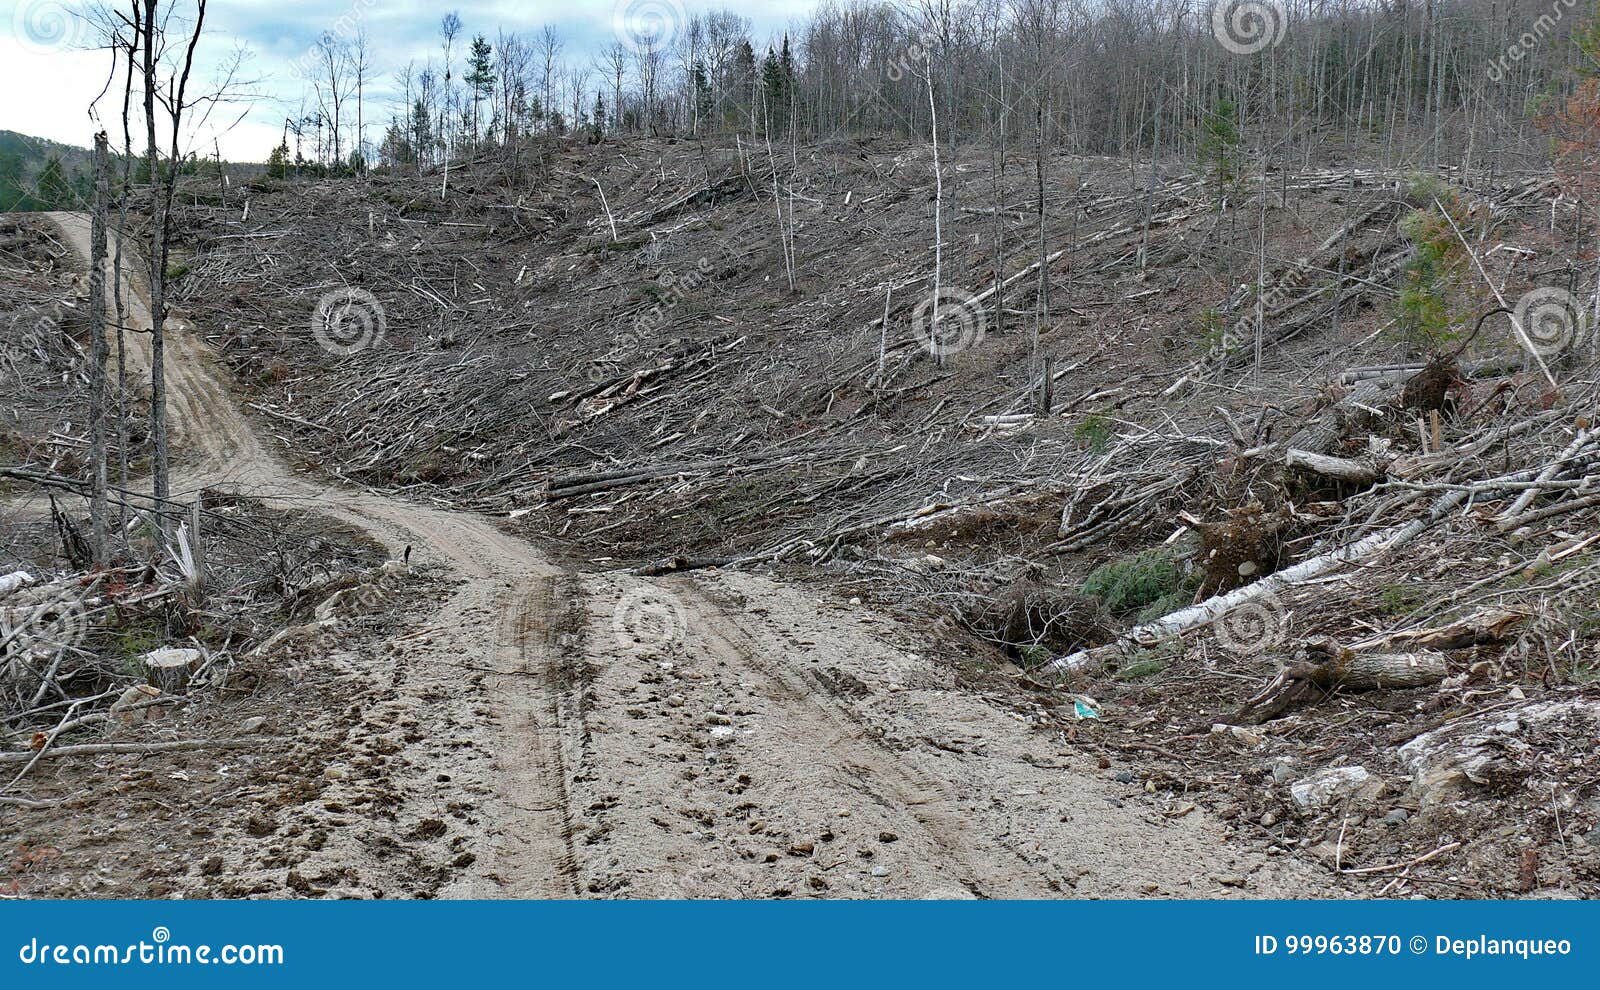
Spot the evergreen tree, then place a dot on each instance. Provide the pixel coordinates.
(597, 119)
(744, 80)
(774, 99)
(14, 195)
(54, 191)
(1219, 143)
(422, 126)
(702, 95)
(788, 81)
(480, 76)
(278, 161)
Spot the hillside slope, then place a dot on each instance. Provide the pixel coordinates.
(603, 343)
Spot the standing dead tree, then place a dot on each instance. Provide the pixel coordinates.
(97, 351)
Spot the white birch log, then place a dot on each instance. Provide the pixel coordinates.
(1187, 620)
(1339, 468)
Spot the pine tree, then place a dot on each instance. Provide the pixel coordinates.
(744, 80)
(1219, 143)
(702, 96)
(480, 76)
(14, 196)
(597, 120)
(55, 193)
(278, 161)
(786, 80)
(422, 125)
(772, 93)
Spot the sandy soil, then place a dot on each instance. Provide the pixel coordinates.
(704, 735)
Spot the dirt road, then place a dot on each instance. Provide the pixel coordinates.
(708, 735)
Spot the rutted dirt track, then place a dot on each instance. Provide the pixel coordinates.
(716, 735)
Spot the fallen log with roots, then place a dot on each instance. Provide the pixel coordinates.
(1322, 667)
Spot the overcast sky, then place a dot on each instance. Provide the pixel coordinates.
(48, 79)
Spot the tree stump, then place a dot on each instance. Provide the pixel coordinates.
(170, 668)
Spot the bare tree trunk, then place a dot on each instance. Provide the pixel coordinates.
(97, 352)
(123, 441)
(158, 240)
(938, 215)
(160, 235)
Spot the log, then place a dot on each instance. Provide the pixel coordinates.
(1506, 525)
(1550, 472)
(141, 748)
(1339, 468)
(1379, 671)
(1322, 667)
(1196, 616)
(1354, 409)
(1485, 626)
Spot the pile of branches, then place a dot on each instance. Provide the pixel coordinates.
(91, 660)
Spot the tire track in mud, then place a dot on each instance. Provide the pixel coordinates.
(531, 850)
(983, 868)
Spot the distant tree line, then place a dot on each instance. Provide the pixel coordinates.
(1424, 81)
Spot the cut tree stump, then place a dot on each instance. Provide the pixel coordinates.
(170, 669)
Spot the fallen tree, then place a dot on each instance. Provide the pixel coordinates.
(1322, 667)
(1194, 617)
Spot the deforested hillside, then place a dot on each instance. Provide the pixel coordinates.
(607, 349)
(1106, 449)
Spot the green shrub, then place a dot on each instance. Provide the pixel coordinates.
(1431, 307)
(1095, 431)
(1139, 581)
(1213, 328)
(1149, 662)
(1034, 656)
(1399, 599)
